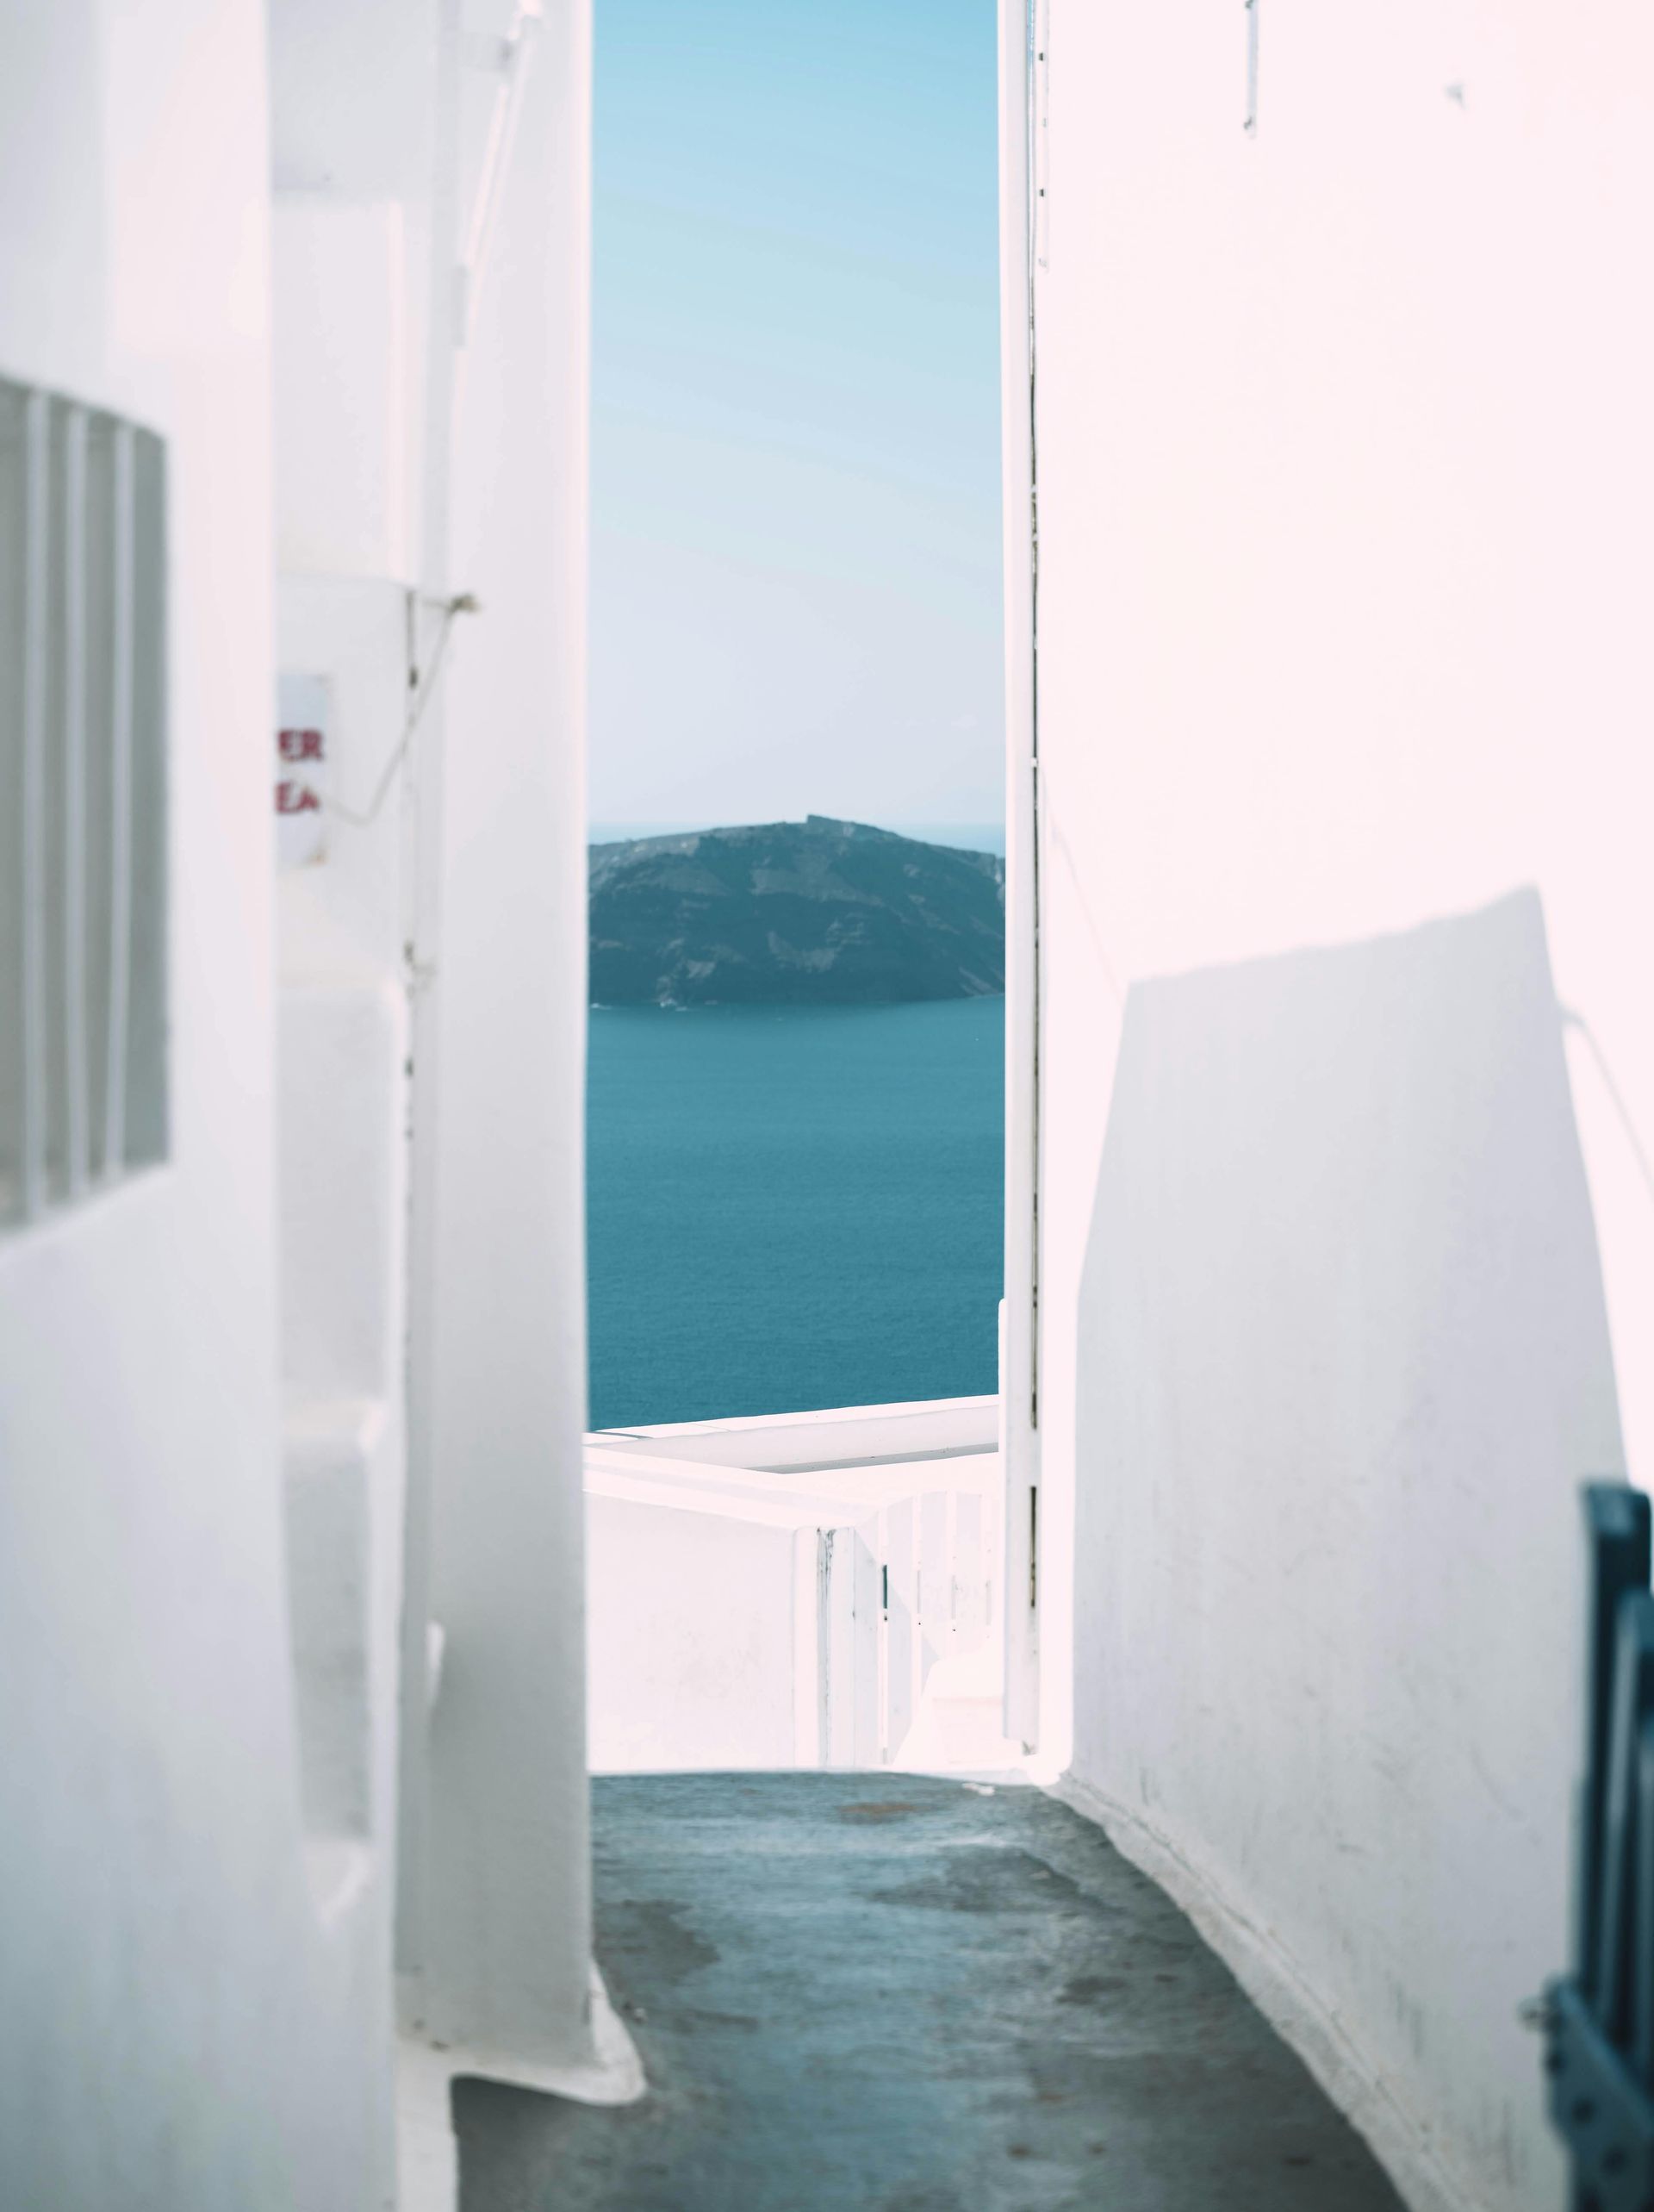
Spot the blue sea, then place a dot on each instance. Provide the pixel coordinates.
(791, 1207)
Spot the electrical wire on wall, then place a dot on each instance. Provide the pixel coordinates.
(1571, 1020)
(425, 686)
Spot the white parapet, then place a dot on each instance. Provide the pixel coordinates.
(780, 1592)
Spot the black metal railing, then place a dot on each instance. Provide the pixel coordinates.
(1598, 2022)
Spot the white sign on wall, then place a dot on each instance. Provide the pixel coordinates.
(303, 750)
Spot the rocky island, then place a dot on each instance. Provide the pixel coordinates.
(817, 913)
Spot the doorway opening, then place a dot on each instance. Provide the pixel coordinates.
(796, 1146)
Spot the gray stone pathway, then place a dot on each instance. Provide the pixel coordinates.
(881, 1993)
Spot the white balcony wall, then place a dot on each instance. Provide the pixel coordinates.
(1344, 458)
(703, 1652)
(856, 1436)
(182, 2029)
(788, 1591)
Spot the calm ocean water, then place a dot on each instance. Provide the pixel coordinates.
(792, 1207)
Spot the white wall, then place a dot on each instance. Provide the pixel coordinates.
(179, 2031)
(346, 246)
(383, 483)
(345, 393)
(1344, 455)
(508, 1877)
(781, 1592)
(843, 1436)
(695, 1656)
(1345, 1360)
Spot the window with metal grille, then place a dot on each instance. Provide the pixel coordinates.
(83, 801)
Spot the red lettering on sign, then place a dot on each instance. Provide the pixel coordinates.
(300, 745)
(296, 799)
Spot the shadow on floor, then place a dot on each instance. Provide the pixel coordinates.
(885, 1993)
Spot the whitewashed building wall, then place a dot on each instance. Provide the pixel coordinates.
(431, 444)
(184, 2026)
(1343, 456)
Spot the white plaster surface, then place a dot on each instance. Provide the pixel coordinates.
(342, 387)
(196, 1861)
(343, 1041)
(345, 918)
(507, 1877)
(799, 1598)
(1344, 456)
(692, 1656)
(427, 2154)
(496, 1913)
(341, 1491)
(859, 1436)
(1346, 1362)
(1344, 463)
(181, 2032)
(343, 393)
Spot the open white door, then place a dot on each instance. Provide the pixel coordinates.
(1019, 1337)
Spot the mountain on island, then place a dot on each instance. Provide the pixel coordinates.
(817, 912)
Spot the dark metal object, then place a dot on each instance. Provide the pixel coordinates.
(1598, 2022)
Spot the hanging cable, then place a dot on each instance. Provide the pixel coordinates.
(1572, 1020)
(513, 64)
(464, 603)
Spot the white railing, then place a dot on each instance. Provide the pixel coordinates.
(781, 1592)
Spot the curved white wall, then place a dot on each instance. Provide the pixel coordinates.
(1346, 1359)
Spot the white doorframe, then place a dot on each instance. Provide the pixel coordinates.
(1019, 1375)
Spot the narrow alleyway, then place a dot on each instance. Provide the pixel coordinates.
(882, 1993)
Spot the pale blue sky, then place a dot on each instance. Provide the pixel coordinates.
(795, 412)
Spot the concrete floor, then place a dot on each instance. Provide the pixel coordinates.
(881, 1993)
